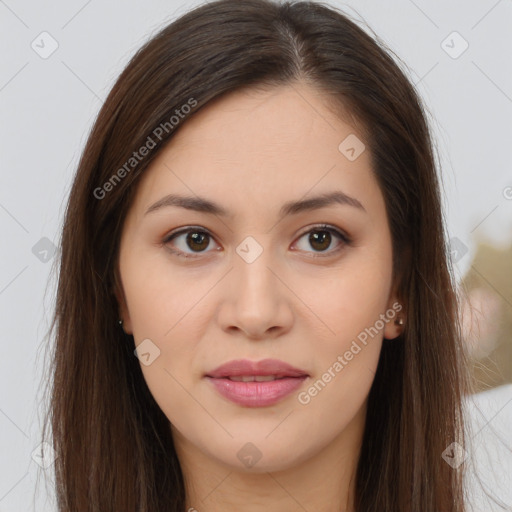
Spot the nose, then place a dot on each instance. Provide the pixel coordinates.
(257, 300)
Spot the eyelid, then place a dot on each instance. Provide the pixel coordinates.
(327, 227)
(338, 232)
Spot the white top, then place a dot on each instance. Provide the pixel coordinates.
(489, 450)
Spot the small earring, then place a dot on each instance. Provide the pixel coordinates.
(120, 323)
(399, 321)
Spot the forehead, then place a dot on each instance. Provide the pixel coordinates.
(260, 120)
(258, 147)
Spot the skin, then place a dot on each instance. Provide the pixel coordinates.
(250, 152)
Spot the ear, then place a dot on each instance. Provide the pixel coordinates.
(395, 312)
(124, 314)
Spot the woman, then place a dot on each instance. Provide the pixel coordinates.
(255, 308)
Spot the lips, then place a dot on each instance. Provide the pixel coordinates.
(256, 384)
(264, 368)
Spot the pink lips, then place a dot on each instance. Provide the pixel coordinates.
(256, 393)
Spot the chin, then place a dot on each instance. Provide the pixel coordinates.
(260, 455)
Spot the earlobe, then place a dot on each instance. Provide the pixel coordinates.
(124, 316)
(396, 314)
(393, 329)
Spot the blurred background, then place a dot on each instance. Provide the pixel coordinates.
(59, 60)
(487, 315)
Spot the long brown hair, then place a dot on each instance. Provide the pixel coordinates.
(113, 443)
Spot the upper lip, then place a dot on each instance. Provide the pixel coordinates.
(265, 367)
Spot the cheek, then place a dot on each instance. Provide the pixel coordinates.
(337, 395)
(162, 299)
(170, 311)
(346, 359)
(348, 356)
(351, 306)
(350, 298)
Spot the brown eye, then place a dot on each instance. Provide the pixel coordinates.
(191, 242)
(196, 240)
(321, 239)
(188, 241)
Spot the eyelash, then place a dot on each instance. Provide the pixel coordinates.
(196, 229)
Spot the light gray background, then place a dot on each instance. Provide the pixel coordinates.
(47, 107)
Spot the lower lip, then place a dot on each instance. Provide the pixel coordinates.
(256, 394)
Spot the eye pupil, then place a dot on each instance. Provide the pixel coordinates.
(315, 237)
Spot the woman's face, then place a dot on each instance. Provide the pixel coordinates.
(237, 272)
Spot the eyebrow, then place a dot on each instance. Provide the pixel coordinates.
(200, 204)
